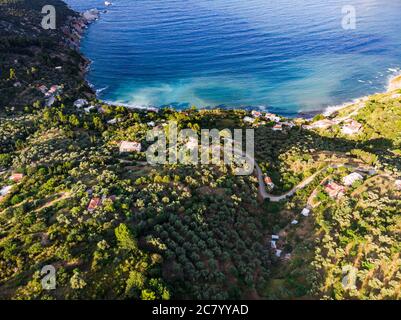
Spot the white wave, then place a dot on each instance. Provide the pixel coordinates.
(99, 91)
(130, 105)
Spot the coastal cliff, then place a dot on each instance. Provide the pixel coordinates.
(33, 58)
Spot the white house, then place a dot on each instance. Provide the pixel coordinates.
(278, 127)
(5, 190)
(273, 244)
(50, 101)
(398, 184)
(275, 237)
(151, 124)
(249, 119)
(272, 117)
(294, 222)
(351, 127)
(396, 96)
(128, 146)
(305, 212)
(278, 253)
(350, 179)
(89, 109)
(80, 103)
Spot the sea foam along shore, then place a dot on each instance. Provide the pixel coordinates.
(394, 83)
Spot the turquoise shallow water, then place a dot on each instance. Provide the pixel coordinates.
(288, 56)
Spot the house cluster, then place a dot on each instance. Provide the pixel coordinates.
(97, 202)
(305, 212)
(267, 117)
(84, 104)
(349, 126)
(54, 90)
(336, 190)
(130, 146)
(274, 245)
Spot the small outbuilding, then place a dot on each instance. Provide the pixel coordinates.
(80, 103)
(352, 178)
(305, 212)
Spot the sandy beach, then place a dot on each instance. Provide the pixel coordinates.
(393, 84)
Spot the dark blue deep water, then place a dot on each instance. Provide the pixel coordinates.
(288, 56)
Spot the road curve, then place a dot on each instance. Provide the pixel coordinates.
(277, 198)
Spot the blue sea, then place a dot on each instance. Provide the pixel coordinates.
(285, 56)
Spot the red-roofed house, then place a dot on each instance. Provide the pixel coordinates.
(278, 127)
(94, 203)
(16, 177)
(53, 89)
(42, 89)
(334, 190)
(269, 183)
(256, 114)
